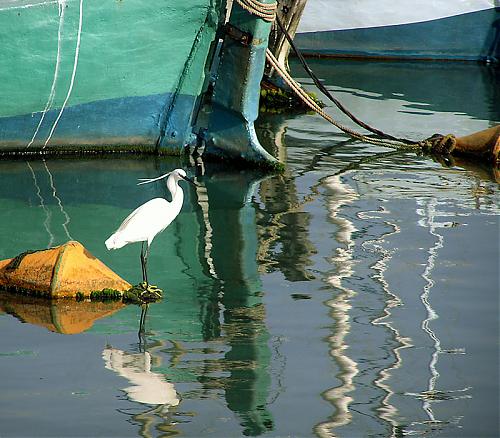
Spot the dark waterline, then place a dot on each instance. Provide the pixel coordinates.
(354, 295)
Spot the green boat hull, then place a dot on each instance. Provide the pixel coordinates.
(90, 73)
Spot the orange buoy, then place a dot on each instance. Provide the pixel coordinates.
(484, 143)
(62, 271)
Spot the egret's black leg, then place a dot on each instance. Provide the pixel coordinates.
(143, 264)
(146, 254)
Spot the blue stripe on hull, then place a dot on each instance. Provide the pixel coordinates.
(115, 122)
(472, 37)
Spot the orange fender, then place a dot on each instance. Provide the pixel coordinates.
(62, 271)
(483, 143)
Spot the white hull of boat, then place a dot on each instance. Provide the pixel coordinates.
(425, 29)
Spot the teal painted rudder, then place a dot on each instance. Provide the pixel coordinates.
(235, 103)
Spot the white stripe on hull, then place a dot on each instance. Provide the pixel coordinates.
(325, 15)
(6, 5)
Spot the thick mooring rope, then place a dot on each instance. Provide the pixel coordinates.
(437, 143)
(327, 93)
(266, 11)
(295, 86)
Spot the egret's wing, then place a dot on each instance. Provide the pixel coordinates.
(145, 221)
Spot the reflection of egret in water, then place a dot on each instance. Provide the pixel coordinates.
(45, 208)
(147, 387)
(432, 395)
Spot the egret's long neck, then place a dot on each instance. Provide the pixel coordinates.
(175, 190)
(172, 186)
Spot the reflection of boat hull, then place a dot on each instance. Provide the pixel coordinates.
(425, 87)
(430, 30)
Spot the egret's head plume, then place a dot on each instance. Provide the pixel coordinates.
(150, 180)
(176, 173)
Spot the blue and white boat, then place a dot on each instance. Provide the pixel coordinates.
(466, 30)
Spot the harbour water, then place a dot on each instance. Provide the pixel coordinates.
(354, 295)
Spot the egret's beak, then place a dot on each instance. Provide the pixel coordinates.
(189, 180)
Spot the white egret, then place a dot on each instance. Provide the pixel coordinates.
(151, 218)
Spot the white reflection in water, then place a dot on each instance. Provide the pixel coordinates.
(48, 215)
(47, 223)
(202, 195)
(59, 202)
(147, 387)
(340, 194)
(387, 411)
(428, 211)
